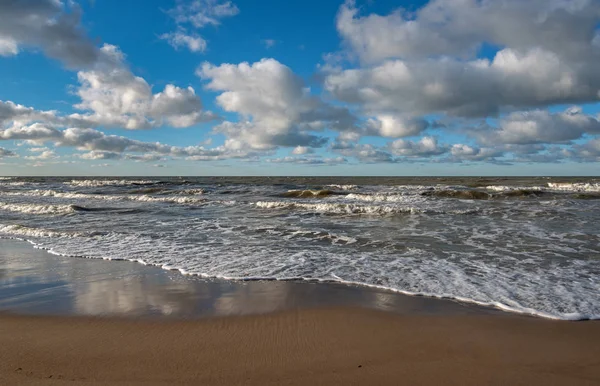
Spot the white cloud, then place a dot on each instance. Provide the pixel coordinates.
(44, 155)
(8, 47)
(201, 13)
(194, 42)
(423, 63)
(425, 147)
(462, 152)
(396, 126)
(363, 152)
(102, 146)
(302, 150)
(468, 89)
(196, 14)
(541, 126)
(458, 28)
(274, 106)
(118, 98)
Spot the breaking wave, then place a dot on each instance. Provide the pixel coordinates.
(106, 197)
(100, 183)
(37, 208)
(310, 193)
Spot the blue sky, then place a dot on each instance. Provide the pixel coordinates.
(213, 87)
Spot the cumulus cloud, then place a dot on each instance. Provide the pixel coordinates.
(52, 25)
(363, 152)
(102, 146)
(541, 126)
(462, 152)
(459, 28)
(274, 105)
(396, 126)
(422, 63)
(425, 147)
(586, 152)
(475, 88)
(118, 98)
(196, 14)
(113, 97)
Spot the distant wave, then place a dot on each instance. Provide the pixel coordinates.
(310, 193)
(99, 183)
(106, 197)
(343, 187)
(343, 208)
(575, 186)
(481, 195)
(380, 197)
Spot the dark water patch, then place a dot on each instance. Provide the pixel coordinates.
(464, 194)
(79, 208)
(149, 191)
(481, 195)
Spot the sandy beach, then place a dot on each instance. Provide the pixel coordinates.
(305, 347)
(93, 322)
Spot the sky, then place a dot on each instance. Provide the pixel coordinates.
(299, 87)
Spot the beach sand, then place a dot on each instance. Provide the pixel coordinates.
(304, 347)
(89, 322)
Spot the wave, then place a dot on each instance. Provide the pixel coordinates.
(575, 186)
(100, 183)
(505, 188)
(310, 193)
(191, 192)
(37, 208)
(380, 197)
(25, 231)
(339, 208)
(343, 187)
(106, 197)
(481, 195)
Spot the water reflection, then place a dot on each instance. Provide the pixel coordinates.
(34, 281)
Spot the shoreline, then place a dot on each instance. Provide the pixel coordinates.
(86, 321)
(34, 281)
(467, 304)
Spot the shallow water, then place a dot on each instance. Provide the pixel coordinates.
(527, 245)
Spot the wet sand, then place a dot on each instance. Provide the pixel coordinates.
(56, 329)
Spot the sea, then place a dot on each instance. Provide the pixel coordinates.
(528, 245)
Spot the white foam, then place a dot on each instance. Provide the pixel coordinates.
(338, 208)
(509, 188)
(343, 187)
(20, 230)
(100, 183)
(37, 208)
(105, 197)
(381, 197)
(575, 186)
